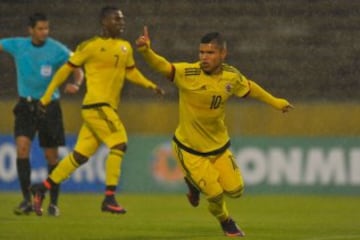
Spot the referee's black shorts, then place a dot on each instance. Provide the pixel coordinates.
(50, 128)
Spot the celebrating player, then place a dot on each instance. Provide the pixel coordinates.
(37, 58)
(108, 60)
(201, 141)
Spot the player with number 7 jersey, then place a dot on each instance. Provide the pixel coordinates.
(108, 61)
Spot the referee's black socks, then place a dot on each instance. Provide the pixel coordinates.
(55, 188)
(24, 171)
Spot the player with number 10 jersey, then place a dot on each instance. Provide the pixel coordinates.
(202, 100)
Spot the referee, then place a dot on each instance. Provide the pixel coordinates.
(37, 58)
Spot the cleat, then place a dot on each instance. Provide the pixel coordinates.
(193, 195)
(231, 229)
(24, 208)
(38, 191)
(53, 210)
(110, 205)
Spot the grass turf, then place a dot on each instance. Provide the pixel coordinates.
(163, 216)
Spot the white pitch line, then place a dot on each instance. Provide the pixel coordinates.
(343, 237)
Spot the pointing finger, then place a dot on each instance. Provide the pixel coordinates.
(146, 33)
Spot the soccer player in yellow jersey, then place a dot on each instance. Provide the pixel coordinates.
(201, 141)
(107, 60)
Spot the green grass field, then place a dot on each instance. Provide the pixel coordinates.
(278, 217)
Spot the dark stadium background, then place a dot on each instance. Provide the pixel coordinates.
(303, 50)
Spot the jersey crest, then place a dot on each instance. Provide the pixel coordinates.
(124, 49)
(228, 87)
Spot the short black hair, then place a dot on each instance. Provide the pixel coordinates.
(105, 11)
(214, 37)
(36, 17)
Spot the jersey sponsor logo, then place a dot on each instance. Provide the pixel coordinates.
(102, 49)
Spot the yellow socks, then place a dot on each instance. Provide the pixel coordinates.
(64, 169)
(217, 207)
(113, 167)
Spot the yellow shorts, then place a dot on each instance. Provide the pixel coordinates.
(101, 125)
(212, 175)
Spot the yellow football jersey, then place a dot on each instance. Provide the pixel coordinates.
(202, 98)
(105, 61)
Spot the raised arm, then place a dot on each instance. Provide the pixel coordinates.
(261, 94)
(155, 61)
